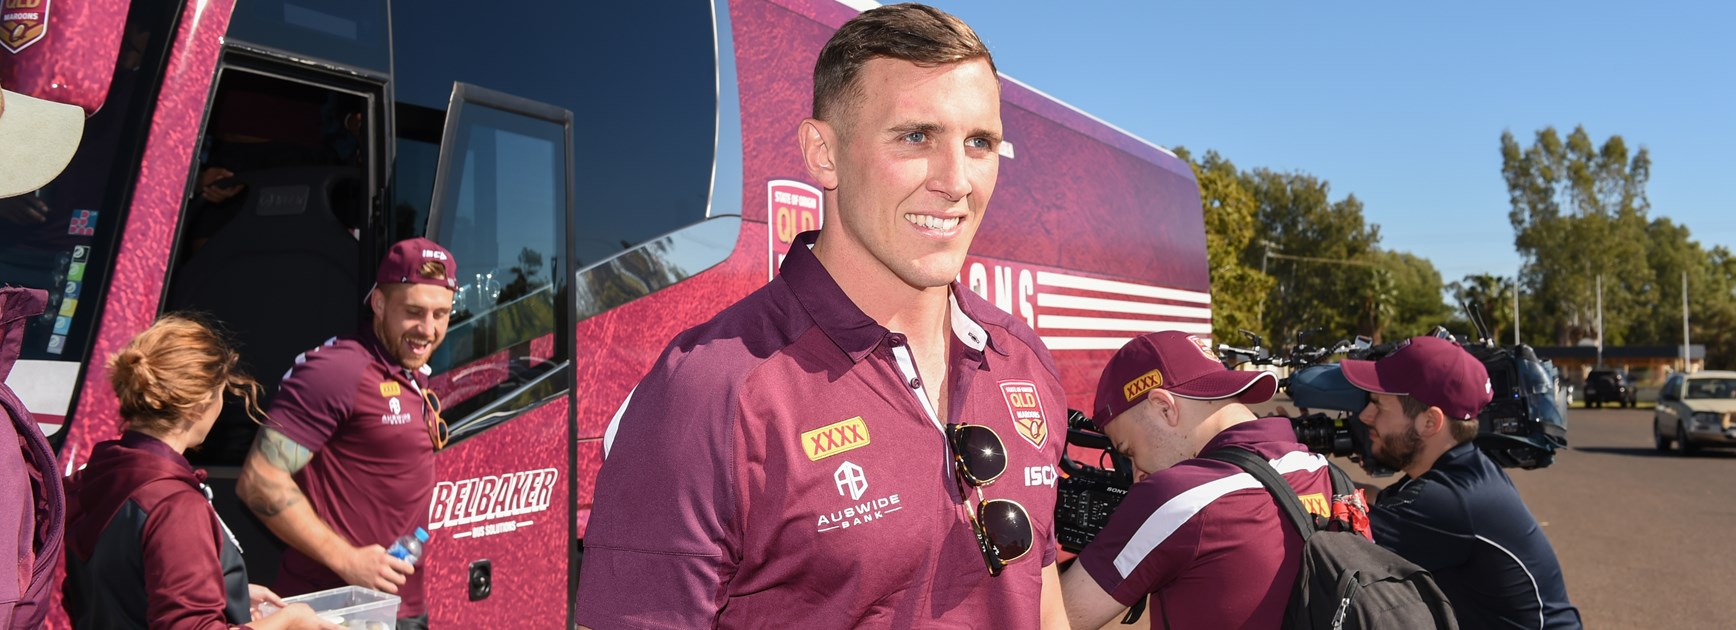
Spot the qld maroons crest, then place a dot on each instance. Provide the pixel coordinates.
(1026, 407)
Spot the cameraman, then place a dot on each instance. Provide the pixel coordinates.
(1455, 512)
(1201, 536)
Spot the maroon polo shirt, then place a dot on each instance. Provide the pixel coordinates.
(372, 473)
(1206, 539)
(778, 467)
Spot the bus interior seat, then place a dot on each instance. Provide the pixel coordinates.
(281, 277)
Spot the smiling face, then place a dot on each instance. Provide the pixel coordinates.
(410, 320)
(912, 164)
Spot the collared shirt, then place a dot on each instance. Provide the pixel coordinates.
(1207, 539)
(1464, 521)
(372, 474)
(779, 467)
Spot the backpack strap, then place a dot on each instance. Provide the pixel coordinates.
(1274, 483)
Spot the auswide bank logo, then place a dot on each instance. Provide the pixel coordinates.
(852, 483)
(849, 477)
(492, 504)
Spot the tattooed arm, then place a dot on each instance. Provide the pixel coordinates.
(268, 489)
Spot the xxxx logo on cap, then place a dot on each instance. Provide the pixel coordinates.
(1145, 383)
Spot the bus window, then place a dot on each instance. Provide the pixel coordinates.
(62, 238)
(639, 77)
(501, 209)
(342, 32)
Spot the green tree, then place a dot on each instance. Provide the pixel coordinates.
(1492, 297)
(1324, 250)
(1570, 197)
(1239, 291)
(1417, 306)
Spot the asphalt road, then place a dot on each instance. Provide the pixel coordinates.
(1646, 539)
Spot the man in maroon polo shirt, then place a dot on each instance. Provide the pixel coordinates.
(787, 464)
(345, 465)
(1201, 536)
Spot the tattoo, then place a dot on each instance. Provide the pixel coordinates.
(281, 451)
(269, 497)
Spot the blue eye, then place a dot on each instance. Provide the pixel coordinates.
(916, 137)
(981, 143)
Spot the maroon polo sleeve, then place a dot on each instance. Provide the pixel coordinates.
(662, 542)
(183, 575)
(1150, 539)
(316, 394)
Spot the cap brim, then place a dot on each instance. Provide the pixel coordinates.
(37, 140)
(1247, 387)
(1365, 377)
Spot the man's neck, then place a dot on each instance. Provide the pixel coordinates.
(1223, 418)
(1426, 456)
(919, 313)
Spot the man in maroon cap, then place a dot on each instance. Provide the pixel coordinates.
(1455, 512)
(1200, 536)
(345, 465)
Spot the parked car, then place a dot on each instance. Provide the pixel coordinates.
(1696, 410)
(1608, 386)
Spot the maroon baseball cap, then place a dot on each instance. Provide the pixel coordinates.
(1178, 363)
(1435, 371)
(404, 260)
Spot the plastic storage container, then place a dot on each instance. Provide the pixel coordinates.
(352, 607)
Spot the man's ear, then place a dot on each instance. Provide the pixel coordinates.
(1165, 406)
(1432, 422)
(377, 302)
(819, 142)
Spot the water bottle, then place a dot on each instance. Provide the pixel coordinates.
(409, 546)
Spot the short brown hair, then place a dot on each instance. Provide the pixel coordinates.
(167, 373)
(1462, 430)
(911, 32)
(432, 270)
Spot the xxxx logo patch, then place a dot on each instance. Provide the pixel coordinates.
(833, 439)
(389, 389)
(1027, 410)
(1316, 504)
(1144, 383)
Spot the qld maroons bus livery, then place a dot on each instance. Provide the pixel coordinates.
(607, 175)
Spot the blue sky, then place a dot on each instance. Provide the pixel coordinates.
(1401, 104)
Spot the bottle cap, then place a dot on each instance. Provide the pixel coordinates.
(421, 535)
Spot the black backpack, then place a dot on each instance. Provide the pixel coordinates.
(1346, 581)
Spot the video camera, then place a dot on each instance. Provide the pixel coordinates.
(1521, 427)
(1088, 494)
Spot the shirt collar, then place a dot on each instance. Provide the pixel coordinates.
(1276, 429)
(847, 326)
(378, 349)
(150, 444)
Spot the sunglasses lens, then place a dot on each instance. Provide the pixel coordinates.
(1008, 526)
(985, 458)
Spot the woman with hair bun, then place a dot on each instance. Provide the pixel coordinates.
(138, 509)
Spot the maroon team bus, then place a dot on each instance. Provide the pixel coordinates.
(607, 174)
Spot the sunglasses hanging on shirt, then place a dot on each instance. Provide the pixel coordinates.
(1002, 526)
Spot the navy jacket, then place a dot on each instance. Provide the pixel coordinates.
(1464, 521)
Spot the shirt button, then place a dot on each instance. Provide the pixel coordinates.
(895, 340)
(915, 383)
